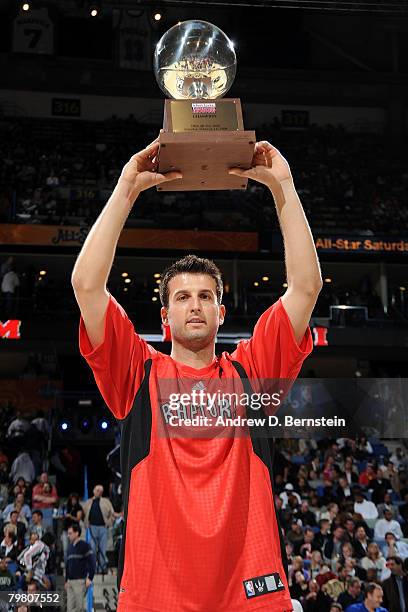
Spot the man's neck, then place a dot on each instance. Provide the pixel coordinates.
(369, 608)
(194, 359)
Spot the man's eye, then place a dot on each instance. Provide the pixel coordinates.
(205, 296)
(182, 297)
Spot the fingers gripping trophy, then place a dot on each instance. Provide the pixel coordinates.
(203, 134)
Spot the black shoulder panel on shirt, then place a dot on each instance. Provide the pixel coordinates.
(264, 448)
(136, 431)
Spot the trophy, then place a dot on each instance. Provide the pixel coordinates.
(203, 134)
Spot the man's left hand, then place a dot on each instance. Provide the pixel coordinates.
(88, 583)
(268, 166)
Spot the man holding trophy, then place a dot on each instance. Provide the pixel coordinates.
(201, 532)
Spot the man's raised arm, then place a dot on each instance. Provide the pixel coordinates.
(94, 262)
(302, 265)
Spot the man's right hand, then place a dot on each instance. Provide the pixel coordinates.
(141, 169)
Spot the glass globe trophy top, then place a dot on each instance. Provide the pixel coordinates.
(194, 60)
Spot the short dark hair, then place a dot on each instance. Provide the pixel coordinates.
(38, 512)
(75, 527)
(396, 559)
(193, 265)
(371, 586)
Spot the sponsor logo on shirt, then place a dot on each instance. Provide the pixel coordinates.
(249, 587)
(262, 585)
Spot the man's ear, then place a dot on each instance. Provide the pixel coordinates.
(222, 314)
(164, 315)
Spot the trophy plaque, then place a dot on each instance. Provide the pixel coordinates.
(203, 134)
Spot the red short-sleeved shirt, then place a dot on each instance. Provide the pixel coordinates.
(201, 531)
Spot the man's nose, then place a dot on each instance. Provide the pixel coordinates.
(196, 304)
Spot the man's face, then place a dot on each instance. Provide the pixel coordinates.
(338, 533)
(355, 589)
(13, 517)
(36, 518)
(33, 538)
(71, 534)
(98, 490)
(193, 313)
(360, 533)
(393, 567)
(375, 598)
(390, 539)
(388, 515)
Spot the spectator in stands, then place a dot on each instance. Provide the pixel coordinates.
(360, 542)
(394, 548)
(334, 545)
(22, 467)
(287, 493)
(352, 594)
(19, 505)
(72, 513)
(80, 569)
(36, 524)
(323, 535)
(379, 486)
(374, 560)
(343, 490)
(295, 534)
(367, 475)
(366, 508)
(18, 427)
(331, 512)
(99, 515)
(316, 561)
(349, 526)
(299, 587)
(388, 505)
(387, 524)
(305, 515)
(44, 498)
(347, 552)
(33, 561)
(308, 545)
(372, 600)
(16, 526)
(41, 424)
(350, 472)
(6, 266)
(396, 587)
(9, 292)
(8, 546)
(7, 579)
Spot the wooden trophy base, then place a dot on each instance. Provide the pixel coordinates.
(203, 139)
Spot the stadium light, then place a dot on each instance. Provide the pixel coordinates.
(157, 15)
(265, 278)
(85, 425)
(94, 9)
(26, 6)
(125, 274)
(64, 425)
(104, 424)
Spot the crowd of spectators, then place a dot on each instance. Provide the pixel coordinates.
(62, 172)
(43, 534)
(342, 505)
